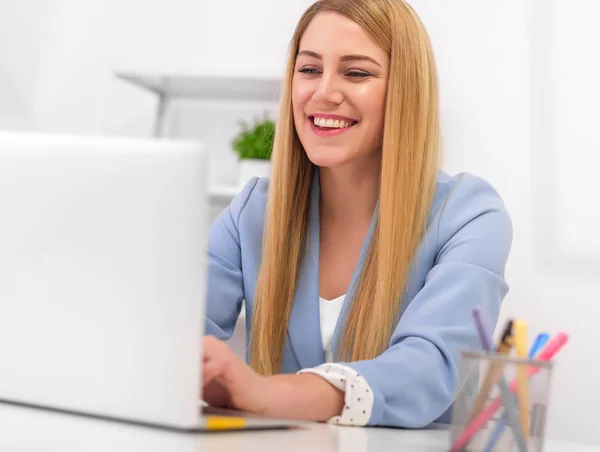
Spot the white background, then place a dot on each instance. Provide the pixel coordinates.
(519, 84)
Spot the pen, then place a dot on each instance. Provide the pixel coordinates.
(505, 394)
(523, 387)
(495, 370)
(553, 347)
(539, 342)
(225, 423)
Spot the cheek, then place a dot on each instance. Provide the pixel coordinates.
(372, 102)
(301, 94)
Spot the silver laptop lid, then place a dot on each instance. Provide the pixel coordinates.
(102, 275)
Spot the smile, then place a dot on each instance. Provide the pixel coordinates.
(328, 126)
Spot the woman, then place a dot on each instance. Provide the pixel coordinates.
(360, 278)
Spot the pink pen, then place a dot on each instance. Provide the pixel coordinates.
(546, 355)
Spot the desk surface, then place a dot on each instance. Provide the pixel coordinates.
(27, 430)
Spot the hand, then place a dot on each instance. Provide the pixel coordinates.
(228, 382)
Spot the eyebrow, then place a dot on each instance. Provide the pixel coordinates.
(352, 57)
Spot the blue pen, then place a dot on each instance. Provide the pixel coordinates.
(483, 332)
(538, 344)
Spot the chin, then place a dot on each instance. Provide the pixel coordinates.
(328, 158)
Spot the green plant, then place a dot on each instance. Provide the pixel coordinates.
(255, 142)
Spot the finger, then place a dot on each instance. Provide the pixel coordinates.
(217, 359)
(212, 369)
(216, 351)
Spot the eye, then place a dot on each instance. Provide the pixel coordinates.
(358, 74)
(308, 70)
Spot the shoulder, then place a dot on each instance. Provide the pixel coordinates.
(469, 210)
(252, 199)
(248, 207)
(465, 194)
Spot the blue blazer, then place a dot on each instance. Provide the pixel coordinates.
(459, 264)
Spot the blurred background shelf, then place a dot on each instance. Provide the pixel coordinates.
(224, 193)
(207, 87)
(170, 87)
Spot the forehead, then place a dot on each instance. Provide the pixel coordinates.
(330, 33)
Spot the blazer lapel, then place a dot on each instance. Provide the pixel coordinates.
(304, 327)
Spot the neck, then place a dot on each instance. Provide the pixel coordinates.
(349, 193)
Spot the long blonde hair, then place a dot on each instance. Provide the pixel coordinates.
(410, 161)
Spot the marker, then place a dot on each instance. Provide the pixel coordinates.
(523, 387)
(507, 398)
(539, 342)
(553, 347)
(225, 423)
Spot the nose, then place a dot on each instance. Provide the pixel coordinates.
(328, 91)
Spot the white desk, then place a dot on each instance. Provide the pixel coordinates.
(26, 430)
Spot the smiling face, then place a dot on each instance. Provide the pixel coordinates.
(338, 92)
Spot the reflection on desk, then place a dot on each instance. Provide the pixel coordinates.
(28, 430)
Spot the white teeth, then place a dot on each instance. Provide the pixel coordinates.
(331, 123)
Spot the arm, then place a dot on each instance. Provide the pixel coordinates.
(304, 396)
(414, 380)
(225, 288)
(230, 382)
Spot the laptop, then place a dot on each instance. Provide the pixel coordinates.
(103, 248)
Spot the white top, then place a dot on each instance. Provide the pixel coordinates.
(329, 311)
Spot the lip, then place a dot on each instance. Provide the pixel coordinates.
(329, 132)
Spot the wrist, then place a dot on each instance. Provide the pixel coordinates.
(262, 394)
(304, 396)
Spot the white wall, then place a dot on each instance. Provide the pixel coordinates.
(25, 32)
(65, 82)
(534, 136)
(577, 142)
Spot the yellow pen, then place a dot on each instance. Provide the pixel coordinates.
(520, 330)
(225, 423)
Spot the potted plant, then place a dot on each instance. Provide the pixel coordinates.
(253, 146)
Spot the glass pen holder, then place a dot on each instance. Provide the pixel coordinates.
(501, 403)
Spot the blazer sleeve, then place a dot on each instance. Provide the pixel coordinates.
(225, 287)
(414, 380)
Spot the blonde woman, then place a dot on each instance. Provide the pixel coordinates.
(359, 260)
